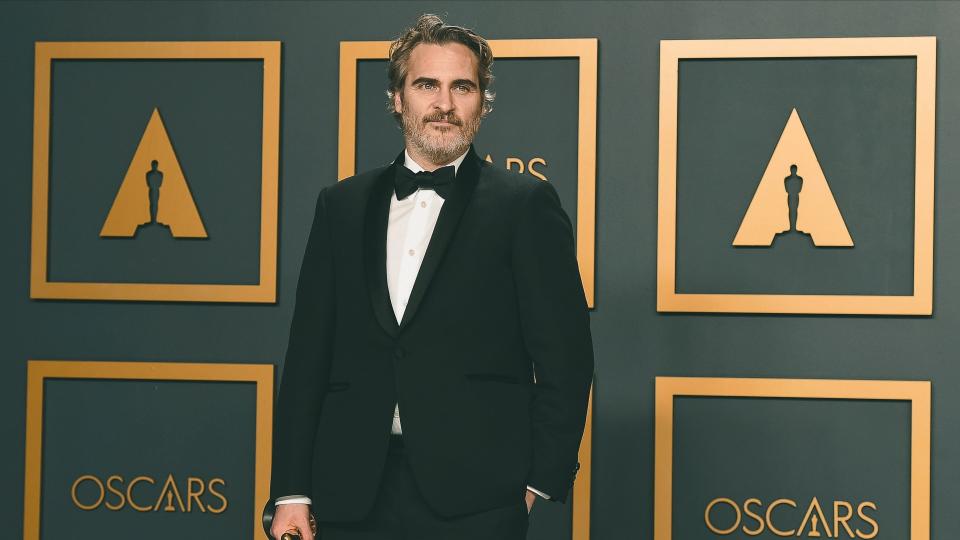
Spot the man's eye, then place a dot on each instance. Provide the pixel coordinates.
(462, 88)
(425, 86)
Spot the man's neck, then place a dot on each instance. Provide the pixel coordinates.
(430, 166)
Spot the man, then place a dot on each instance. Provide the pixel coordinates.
(440, 359)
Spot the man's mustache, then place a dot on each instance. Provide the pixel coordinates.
(450, 118)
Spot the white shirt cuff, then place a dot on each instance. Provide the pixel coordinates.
(293, 499)
(538, 492)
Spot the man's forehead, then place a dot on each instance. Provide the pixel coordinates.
(446, 61)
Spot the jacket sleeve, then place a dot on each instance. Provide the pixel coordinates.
(556, 331)
(306, 368)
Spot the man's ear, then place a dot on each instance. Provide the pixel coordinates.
(398, 101)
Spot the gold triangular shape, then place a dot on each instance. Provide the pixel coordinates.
(175, 208)
(817, 212)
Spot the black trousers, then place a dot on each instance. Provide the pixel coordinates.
(401, 513)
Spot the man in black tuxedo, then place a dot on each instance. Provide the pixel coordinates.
(440, 358)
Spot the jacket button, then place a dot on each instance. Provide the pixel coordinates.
(399, 353)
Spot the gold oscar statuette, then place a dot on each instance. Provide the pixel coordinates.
(294, 534)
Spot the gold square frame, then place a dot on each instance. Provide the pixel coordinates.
(585, 50)
(40, 370)
(916, 392)
(918, 303)
(265, 291)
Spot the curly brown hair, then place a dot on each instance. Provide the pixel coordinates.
(431, 29)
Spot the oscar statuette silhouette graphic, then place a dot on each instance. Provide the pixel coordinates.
(794, 185)
(814, 533)
(154, 179)
(162, 201)
(801, 202)
(169, 507)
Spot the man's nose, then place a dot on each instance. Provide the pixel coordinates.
(444, 101)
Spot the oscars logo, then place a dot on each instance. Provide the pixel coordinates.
(813, 525)
(154, 193)
(793, 196)
(89, 492)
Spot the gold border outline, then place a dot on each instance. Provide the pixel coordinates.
(39, 370)
(265, 291)
(585, 50)
(921, 301)
(916, 392)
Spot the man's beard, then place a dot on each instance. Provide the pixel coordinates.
(439, 147)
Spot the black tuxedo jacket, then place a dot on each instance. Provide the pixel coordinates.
(491, 364)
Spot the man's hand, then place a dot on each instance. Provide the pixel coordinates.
(292, 516)
(530, 498)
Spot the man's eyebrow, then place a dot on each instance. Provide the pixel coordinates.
(421, 80)
(436, 82)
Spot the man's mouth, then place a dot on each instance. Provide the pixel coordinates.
(442, 122)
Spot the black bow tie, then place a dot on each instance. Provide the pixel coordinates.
(440, 180)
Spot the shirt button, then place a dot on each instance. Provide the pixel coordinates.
(423, 204)
(411, 253)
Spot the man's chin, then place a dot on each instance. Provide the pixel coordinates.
(444, 153)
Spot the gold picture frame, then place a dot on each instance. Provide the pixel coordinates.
(585, 50)
(40, 370)
(920, 302)
(916, 392)
(265, 291)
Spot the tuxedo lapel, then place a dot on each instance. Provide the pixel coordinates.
(375, 248)
(443, 233)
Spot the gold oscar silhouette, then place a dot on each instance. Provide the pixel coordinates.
(793, 195)
(813, 528)
(154, 191)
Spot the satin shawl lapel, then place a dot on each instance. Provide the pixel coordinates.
(375, 248)
(443, 233)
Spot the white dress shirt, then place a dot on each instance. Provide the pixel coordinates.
(409, 229)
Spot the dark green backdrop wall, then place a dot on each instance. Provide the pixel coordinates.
(633, 343)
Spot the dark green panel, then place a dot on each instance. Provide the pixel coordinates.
(185, 429)
(860, 116)
(835, 450)
(213, 113)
